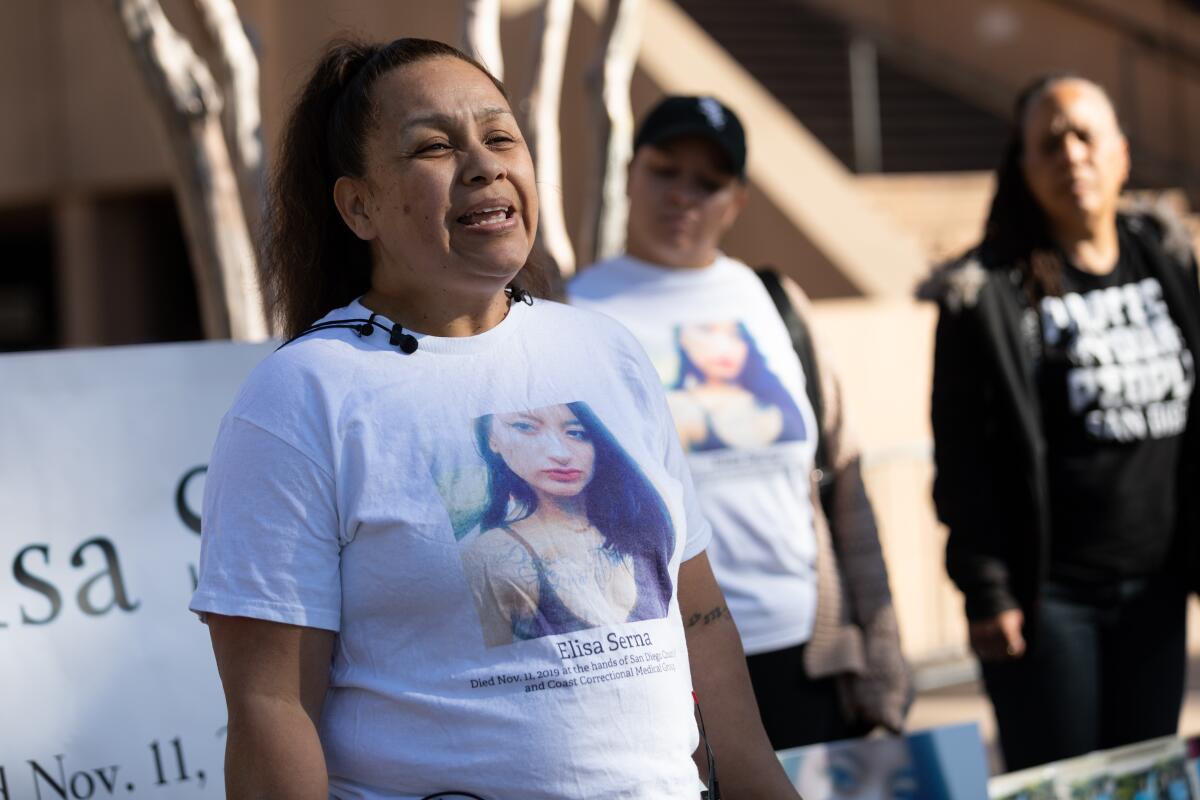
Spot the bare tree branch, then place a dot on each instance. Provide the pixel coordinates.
(481, 34)
(610, 78)
(542, 131)
(237, 67)
(185, 94)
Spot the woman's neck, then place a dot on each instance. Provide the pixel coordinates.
(436, 311)
(1092, 245)
(562, 512)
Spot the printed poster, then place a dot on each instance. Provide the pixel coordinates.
(945, 763)
(110, 687)
(563, 532)
(724, 395)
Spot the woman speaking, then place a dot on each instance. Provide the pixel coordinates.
(354, 657)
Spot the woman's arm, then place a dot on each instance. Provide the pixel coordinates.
(275, 677)
(746, 765)
(503, 583)
(964, 488)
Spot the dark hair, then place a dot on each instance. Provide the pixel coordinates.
(1017, 231)
(621, 502)
(312, 262)
(756, 377)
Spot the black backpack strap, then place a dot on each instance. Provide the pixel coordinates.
(803, 345)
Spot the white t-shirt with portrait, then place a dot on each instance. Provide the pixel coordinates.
(400, 500)
(737, 392)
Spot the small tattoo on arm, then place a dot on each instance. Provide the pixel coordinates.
(718, 613)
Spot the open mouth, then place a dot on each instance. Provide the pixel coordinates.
(487, 217)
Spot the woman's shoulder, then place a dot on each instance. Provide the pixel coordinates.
(299, 392)
(956, 284)
(1164, 224)
(583, 325)
(296, 370)
(493, 548)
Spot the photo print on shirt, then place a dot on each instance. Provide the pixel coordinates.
(723, 395)
(558, 528)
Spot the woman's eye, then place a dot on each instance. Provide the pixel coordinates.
(580, 434)
(500, 139)
(523, 427)
(435, 147)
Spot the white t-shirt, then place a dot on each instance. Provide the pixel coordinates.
(736, 389)
(481, 647)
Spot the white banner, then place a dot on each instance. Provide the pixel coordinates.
(107, 682)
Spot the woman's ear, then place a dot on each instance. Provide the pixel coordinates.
(352, 199)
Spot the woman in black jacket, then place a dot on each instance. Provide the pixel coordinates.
(1065, 447)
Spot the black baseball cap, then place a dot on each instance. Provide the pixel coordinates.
(704, 116)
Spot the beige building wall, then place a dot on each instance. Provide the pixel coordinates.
(883, 352)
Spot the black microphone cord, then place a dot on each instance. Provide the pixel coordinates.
(405, 342)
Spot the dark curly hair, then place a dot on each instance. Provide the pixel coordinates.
(312, 262)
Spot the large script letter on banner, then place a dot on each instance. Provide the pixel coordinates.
(109, 688)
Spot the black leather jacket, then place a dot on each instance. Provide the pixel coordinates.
(991, 485)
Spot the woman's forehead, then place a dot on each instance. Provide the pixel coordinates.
(546, 414)
(694, 150)
(723, 326)
(440, 90)
(1070, 103)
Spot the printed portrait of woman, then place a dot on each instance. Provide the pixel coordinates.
(573, 534)
(725, 396)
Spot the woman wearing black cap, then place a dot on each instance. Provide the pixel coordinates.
(810, 598)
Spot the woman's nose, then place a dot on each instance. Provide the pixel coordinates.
(483, 166)
(1074, 149)
(557, 448)
(679, 194)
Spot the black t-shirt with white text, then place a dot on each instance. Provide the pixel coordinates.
(1115, 380)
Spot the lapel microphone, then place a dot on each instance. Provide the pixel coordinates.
(405, 342)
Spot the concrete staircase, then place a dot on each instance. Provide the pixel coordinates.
(802, 57)
(944, 211)
(938, 149)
